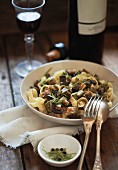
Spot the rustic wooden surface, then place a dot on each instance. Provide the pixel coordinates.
(12, 51)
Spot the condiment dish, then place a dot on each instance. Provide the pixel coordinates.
(59, 142)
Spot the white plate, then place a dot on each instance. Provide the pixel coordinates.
(93, 68)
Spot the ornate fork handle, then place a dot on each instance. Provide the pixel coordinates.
(88, 127)
(98, 163)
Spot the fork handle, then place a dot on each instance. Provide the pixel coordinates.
(83, 151)
(98, 163)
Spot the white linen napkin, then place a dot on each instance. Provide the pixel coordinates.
(19, 126)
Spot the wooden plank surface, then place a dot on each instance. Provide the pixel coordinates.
(9, 159)
(108, 136)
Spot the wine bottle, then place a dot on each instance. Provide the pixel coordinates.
(57, 52)
(87, 23)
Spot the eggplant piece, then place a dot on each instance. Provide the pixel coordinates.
(57, 111)
(86, 71)
(106, 87)
(97, 77)
(71, 72)
(51, 81)
(36, 86)
(103, 88)
(87, 83)
(100, 91)
(36, 83)
(37, 89)
(48, 106)
(55, 93)
(93, 82)
(48, 97)
(73, 116)
(65, 92)
(62, 80)
(75, 88)
(88, 94)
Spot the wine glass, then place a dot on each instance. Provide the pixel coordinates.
(28, 17)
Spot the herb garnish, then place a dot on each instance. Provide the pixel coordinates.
(59, 154)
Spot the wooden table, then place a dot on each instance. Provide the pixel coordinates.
(12, 51)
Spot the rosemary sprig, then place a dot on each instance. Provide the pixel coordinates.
(47, 72)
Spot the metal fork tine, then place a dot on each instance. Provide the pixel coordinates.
(88, 105)
(98, 106)
(86, 111)
(89, 110)
(91, 107)
(95, 106)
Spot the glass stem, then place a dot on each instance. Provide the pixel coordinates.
(29, 45)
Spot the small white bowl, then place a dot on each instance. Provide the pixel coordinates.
(71, 144)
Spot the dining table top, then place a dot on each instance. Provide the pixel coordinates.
(12, 51)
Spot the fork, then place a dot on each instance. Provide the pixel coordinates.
(89, 117)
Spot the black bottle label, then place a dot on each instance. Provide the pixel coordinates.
(91, 16)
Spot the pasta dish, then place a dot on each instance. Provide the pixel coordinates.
(66, 93)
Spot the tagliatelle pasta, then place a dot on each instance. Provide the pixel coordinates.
(66, 93)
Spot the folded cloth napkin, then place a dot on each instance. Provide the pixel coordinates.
(19, 126)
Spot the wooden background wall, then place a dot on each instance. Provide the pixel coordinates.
(55, 16)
